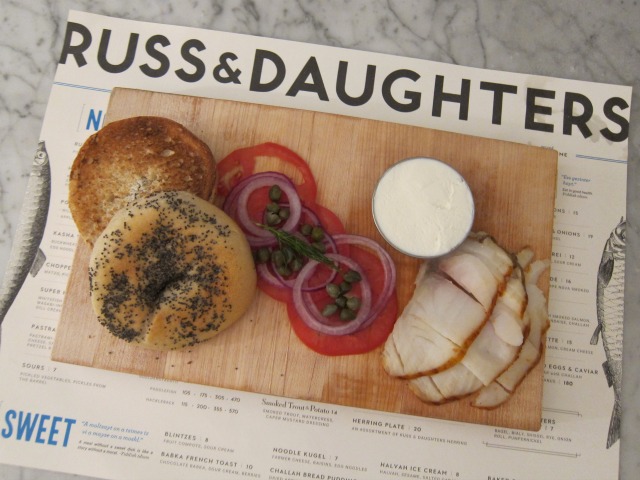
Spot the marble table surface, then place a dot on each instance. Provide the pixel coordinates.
(593, 40)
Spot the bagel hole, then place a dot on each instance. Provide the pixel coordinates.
(154, 290)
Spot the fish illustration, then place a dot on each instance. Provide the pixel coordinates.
(26, 256)
(610, 309)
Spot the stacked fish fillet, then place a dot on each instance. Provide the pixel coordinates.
(475, 325)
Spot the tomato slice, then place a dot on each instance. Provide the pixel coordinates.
(364, 340)
(279, 293)
(236, 166)
(241, 163)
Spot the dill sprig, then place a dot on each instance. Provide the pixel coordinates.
(299, 246)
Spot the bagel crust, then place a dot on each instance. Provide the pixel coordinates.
(170, 270)
(131, 157)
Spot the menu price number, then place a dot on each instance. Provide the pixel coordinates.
(205, 461)
(555, 341)
(563, 282)
(556, 280)
(230, 466)
(562, 341)
(38, 367)
(566, 260)
(570, 212)
(389, 428)
(212, 402)
(571, 233)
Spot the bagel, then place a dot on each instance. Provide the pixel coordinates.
(170, 270)
(130, 157)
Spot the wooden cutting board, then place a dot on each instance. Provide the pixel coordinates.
(514, 188)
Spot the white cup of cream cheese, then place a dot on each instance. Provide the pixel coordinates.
(423, 207)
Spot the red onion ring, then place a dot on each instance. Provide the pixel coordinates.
(268, 276)
(313, 318)
(274, 278)
(237, 201)
(388, 266)
(231, 201)
(290, 282)
(268, 179)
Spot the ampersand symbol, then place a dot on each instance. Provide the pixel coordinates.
(224, 73)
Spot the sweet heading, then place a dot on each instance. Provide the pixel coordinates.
(403, 90)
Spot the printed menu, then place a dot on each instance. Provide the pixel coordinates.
(82, 420)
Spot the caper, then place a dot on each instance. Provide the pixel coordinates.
(341, 301)
(345, 287)
(273, 207)
(296, 265)
(284, 271)
(346, 314)
(352, 276)
(289, 255)
(321, 247)
(305, 229)
(333, 290)
(272, 218)
(353, 303)
(329, 309)
(278, 259)
(284, 213)
(317, 233)
(263, 255)
(275, 193)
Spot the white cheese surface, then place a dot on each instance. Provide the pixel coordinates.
(423, 207)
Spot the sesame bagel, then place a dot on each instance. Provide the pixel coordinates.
(170, 270)
(131, 157)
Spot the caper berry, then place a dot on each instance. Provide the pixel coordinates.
(296, 265)
(346, 314)
(321, 247)
(284, 270)
(333, 290)
(273, 218)
(275, 193)
(273, 207)
(317, 233)
(305, 229)
(284, 213)
(341, 301)
(278, 258)
(288, 255)
(353, 303)
(329, 309)
(263, 255)
(352, 276)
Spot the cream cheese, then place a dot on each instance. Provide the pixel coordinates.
(423, 207)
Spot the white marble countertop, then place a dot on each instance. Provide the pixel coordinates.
(591, 40)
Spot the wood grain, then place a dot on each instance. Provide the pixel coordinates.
(514, 188)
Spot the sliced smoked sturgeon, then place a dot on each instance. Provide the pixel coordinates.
(435, 328)
(502, 388)
(486, 358)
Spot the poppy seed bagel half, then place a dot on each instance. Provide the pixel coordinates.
(132, 157)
